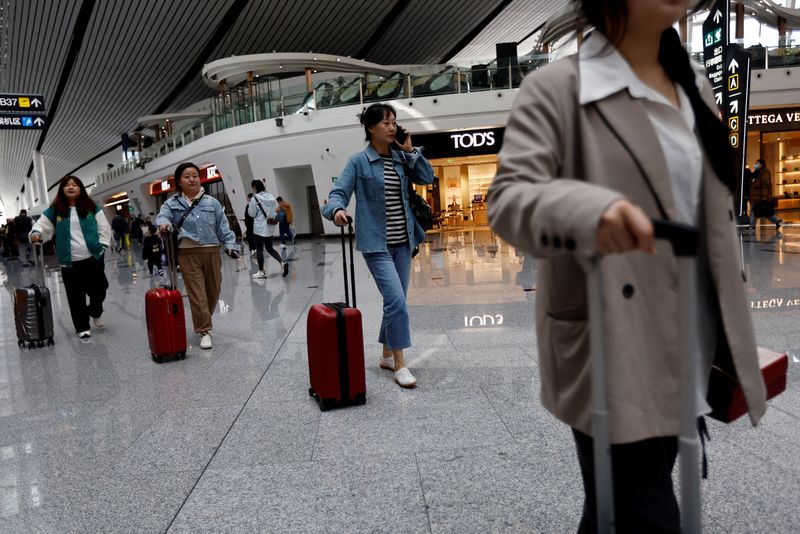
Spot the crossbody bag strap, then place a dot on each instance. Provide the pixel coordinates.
(261, 208)
(187, 212)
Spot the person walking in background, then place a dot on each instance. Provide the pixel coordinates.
(152, 249)
(82, 234)
(119, 224)
(22, 227)
(386, 230)
(202, 228)
(138, 229)
(248, 227)
(596, 146)
(285, 219)
(262, 209)
(762, 201)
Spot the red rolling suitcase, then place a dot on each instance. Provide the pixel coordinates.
(166, 322)
(336, 346)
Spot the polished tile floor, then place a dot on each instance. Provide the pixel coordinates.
(95, 437)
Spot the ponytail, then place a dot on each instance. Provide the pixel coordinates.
(675, 60)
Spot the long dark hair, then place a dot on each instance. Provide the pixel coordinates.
(83, 204)
(373, 115)
(610, 17)
(179, 170)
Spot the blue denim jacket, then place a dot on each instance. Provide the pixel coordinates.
(206, 224)
(363, 174)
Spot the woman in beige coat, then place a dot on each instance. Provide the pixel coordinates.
(597, 145)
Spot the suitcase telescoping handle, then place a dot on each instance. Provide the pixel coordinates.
(684, 241)
(38, 262)
(349, 237)
(172, 259)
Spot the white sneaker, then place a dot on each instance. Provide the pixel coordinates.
(404, 378)
(98, 322)
(387, 363)
(259, 274)
(283, 245)
(85, 334)
(205, 340)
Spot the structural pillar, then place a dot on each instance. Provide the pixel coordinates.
(41, 179)
(30, 196)
(781, 32)
(739, 7)
(579, 31)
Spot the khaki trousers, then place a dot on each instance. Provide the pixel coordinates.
(201, 268)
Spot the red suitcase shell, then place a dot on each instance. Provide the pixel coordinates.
(336, 346)
(726, 396)
(166, 321)
(336, 355)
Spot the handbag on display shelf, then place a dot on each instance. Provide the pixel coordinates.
(725, 393)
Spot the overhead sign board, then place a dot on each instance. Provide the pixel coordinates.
(22, 122)
(774, 120)
(26, 103)
(715, 39)
(455, 143)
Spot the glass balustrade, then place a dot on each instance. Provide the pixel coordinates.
(268, 98)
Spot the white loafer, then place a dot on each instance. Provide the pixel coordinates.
(387, 363)
(404, 378)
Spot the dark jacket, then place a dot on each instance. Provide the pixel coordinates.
(151, 247)
(761, 188)
(119, 224)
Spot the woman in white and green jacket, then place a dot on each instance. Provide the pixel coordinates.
(82, 234)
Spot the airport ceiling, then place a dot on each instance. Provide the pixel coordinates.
(100, 64)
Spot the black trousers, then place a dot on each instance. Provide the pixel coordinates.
(86, 278)
(261, 243)
(644, 497)
(154, 261)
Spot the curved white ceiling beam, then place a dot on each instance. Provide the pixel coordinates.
(234, 69)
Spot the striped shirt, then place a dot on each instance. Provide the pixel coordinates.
(396, 233)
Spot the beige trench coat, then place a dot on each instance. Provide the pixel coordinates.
(560, 167)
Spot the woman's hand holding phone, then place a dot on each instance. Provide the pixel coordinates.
(403, 139)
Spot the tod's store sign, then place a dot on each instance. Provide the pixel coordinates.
(774, 120)
(456, 143)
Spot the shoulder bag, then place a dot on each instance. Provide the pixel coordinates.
(270, 220)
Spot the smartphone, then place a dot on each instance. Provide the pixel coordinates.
(400, 135)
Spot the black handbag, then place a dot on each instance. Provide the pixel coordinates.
(421, 210)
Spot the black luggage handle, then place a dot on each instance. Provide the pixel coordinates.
(172, 258)
(683, 237)
(352, 263)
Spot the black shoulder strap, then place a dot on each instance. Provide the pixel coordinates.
(255, 197)
(187, 212)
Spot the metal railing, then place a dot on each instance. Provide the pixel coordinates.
(261, 100)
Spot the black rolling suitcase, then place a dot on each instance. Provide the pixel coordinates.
(33, 312)
(684, 241)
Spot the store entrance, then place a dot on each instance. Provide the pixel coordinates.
(458, 194)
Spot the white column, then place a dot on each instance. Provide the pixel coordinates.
(30, 184)
(41, 178)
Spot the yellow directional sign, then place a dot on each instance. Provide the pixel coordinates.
(733, 82)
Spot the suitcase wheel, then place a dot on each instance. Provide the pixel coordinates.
(31, 345)
(157, 359)
(40, 344)
(310, 392)
(50, 341)
(20, 343)
(181, 355)
(360, 399)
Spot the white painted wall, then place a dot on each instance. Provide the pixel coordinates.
(775, 87)
(291, 184)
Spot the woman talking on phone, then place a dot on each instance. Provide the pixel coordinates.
(386, 230)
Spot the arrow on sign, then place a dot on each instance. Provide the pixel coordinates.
(717, 16)
(39, 121)
(734, 106)
(718, 98)
(733, 66)
(36, 102)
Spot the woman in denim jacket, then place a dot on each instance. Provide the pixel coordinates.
(387, 232)
(199, 239)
